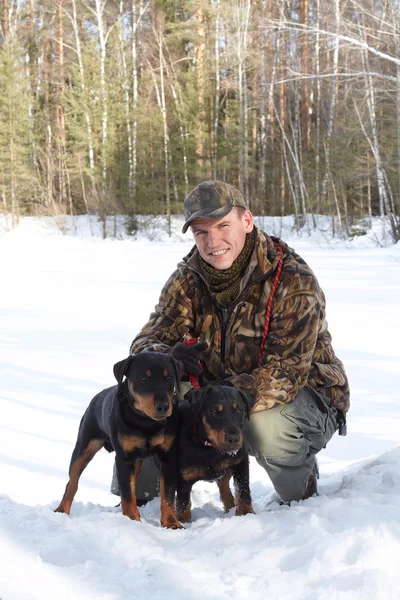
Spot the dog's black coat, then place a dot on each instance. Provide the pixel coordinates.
(136, 418)
(211, 446)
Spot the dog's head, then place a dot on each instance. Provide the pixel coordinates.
(152, 378)
(220, 413)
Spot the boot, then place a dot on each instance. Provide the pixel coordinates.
(311, 488)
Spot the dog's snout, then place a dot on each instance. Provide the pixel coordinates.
(161, 406)
(232, 439)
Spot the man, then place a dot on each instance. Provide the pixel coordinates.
(219, 294)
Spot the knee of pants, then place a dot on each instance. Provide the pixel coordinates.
(273, 437)
(289, 434)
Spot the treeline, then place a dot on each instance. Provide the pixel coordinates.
(122, 106)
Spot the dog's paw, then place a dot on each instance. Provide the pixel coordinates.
(185, 516)
(244, 509)
(171, 522)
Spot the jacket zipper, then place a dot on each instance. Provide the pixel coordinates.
(224, 315)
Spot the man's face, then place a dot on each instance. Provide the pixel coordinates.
(220, 241)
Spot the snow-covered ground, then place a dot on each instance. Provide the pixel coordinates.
(69, 308)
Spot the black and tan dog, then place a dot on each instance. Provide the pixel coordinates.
(211, 446)
(137, 418)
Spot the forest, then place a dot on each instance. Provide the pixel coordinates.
(122, 106)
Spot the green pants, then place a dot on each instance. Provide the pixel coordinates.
(284, 441)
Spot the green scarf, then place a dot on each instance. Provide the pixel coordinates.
(225, 284)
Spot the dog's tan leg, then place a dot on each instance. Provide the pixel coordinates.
(185, 516)
(129, 505)
(75, 471)
(225, 492)
(243, 503)
(243, 509)
(168, 515)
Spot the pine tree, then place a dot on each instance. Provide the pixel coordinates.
(16, 173)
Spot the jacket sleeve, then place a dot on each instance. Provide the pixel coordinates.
(171, 319)
(297, 315)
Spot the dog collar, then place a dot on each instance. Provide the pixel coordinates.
(204, 442)
(207, 443)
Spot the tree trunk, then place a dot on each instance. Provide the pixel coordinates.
(163, 109)
(60, 110)
(103, 91)
(217, 91)
(77, 33)
(200, 84)
(317, 113)
(304, 92)
(332, 107)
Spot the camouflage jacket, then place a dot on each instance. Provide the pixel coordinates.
(298, 348)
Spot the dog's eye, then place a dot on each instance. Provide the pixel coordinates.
(144, 379)
(168, 378)
(239, 411)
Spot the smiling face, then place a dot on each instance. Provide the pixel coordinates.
(220, 241)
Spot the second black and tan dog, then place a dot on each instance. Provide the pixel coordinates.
(136, 418)
(211, 446)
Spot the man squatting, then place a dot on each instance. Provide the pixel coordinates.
(219, 294)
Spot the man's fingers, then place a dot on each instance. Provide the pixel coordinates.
(193, 369)
(200, 347)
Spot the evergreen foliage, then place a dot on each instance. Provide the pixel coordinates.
(122, 107)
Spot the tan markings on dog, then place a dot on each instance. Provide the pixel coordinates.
(225, 492)
(219, 408)
(128, 505)
(162, 441)
(148, 373)
(145, 404)
(165, 373)
(168, 515)
(227, 463)
(243, 509)
(235, 405)
(133, 394)
(216, 437)
(75, 471)
(191, 473)
(138, 468)
(129, 443)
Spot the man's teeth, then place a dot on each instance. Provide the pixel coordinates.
(219, 252)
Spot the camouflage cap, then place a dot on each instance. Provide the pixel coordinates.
(211, 199)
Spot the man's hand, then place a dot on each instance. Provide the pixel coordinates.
(189, 356)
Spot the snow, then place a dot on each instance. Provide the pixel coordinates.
(70, 304)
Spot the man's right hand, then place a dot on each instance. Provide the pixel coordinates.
(189, 356)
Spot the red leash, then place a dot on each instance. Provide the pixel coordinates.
(270, 301)
(193, 380)
(192, 341)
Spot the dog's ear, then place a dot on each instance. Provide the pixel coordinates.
(178, 370)
(196, 397)
(248, 402)
(120, 370)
